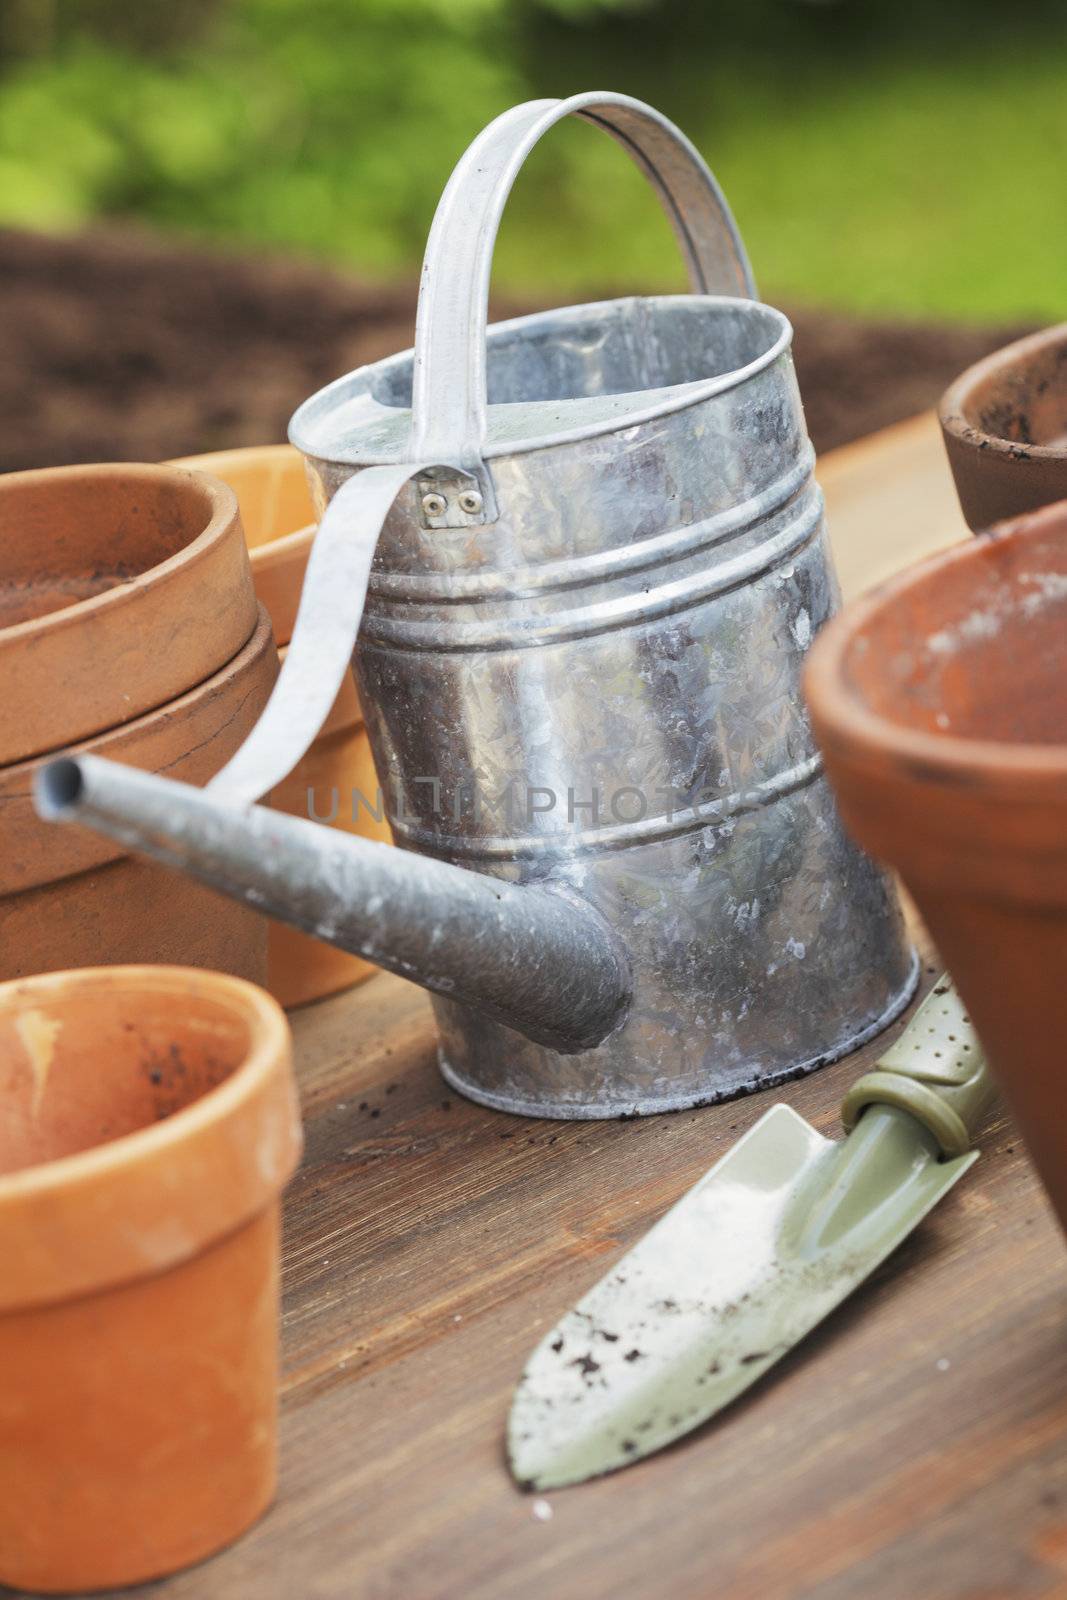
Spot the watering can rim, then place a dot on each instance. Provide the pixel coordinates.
(671, 398)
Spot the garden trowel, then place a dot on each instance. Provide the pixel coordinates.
(768, 1242)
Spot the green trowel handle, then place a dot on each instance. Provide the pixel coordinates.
(936, 1070)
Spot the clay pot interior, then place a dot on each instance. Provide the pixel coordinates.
(1020, 394)
(271, 488)
(60, 544)
(1004, 423)
(161, 1056)
(981, 655)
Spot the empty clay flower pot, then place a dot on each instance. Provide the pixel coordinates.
(148, 1126)
(940, 703)
(120, 588)
(279, 520)
(1005, 429)
(70, 898)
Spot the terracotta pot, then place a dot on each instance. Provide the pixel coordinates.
(1005, 429)
(120, 588)
(149, 1126)
(338, 767)
(940, 702)
(70, 898)
(279, 520)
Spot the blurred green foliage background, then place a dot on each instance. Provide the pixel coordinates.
(893, 158)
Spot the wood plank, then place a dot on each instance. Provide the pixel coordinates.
(890, 501)
(912, 1446)
(427, 1251)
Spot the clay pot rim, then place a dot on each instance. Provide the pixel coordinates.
(128, 733)
(223, 512)
(124, 743)
(955, 410)
(275, 551)
(269, 1032)
(65, 1224)
(863, 736)
(277, 449)
(214, 463)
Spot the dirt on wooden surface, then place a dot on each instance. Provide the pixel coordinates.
(122, 346)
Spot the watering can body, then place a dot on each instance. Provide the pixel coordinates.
(593, 558)
(600, 690)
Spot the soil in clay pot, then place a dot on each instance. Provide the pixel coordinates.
(1004, 423)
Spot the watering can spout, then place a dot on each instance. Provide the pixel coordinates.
(532, 957)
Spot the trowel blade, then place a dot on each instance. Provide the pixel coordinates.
(776, 1235)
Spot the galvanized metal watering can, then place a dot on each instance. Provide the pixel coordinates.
(585, 555)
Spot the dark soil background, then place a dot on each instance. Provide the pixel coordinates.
(120, 346)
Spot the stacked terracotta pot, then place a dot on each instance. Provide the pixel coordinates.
(279, 521)
(129, 627)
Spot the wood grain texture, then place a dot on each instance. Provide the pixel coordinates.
(915, 1445)
(430, 1245)
(890, 501)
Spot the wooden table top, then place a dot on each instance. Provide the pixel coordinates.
(914, 1446)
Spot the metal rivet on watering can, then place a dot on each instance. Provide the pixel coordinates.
(584, 555)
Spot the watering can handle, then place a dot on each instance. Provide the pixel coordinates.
(449, 388)
(324, 636)
(449, 395)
